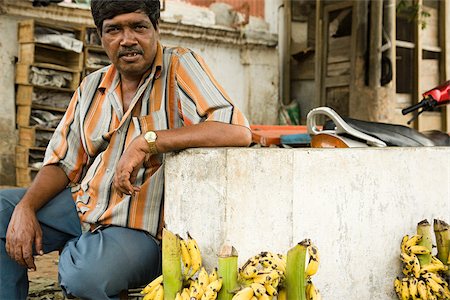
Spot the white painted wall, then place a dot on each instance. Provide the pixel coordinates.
(355, 205)
(8, 52)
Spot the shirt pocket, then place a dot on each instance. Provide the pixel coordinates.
(154, 121)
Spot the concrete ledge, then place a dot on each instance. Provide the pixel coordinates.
(355, 204)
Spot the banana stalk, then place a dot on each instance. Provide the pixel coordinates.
(171, 265)
(424, 229)
(442, 234)
(295, 271)
(228, 271)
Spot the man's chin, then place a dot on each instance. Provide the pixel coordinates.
(132, 70)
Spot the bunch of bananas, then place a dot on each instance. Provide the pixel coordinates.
(154, 290)
(190, 256)
(205, 287)
(191, 261)
(421, 281)
(261, 276)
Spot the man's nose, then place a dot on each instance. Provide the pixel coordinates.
(128, 37)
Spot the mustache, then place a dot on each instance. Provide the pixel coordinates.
(130, 50)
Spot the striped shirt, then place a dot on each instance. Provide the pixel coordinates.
(178, 90)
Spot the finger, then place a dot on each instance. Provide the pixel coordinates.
(8, 248)
(38, 242)
(27, 253)
(18, 256)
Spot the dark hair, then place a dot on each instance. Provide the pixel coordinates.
(108, 9)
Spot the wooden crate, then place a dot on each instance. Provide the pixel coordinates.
(23, 72)
(24, 176)
(27, 29)
(24, 94)
(23, 116)
(33, 136)
(30, 53)
(24, 156)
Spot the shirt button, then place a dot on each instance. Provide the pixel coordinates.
(107, 170)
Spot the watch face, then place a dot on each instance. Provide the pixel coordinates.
(150, 136)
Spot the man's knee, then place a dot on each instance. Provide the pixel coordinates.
(8, 201)
(81, 279)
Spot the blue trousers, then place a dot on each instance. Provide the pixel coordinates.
(92, 265)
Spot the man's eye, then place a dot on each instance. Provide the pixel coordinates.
(140, 27)
(111, 30)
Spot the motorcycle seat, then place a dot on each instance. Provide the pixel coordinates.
(391, 134)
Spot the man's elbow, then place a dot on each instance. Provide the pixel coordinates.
(244, 137)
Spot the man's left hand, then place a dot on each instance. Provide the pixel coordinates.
(128, 166)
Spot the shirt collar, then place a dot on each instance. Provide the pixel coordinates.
(112, 74)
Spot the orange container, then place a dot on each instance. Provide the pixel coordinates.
(267, 135)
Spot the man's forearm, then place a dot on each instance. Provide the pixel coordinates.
(206, 134)
(49, 182)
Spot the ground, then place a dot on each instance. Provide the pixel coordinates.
(44, 281)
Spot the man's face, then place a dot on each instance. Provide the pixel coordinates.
(130, 41)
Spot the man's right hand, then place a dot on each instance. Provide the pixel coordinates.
(23, 232)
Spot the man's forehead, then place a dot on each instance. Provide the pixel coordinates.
(130, 18)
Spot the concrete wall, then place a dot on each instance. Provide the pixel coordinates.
(355, 205)
(8, 53)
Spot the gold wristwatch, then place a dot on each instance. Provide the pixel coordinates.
(150, 137)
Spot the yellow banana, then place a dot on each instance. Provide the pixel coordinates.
(215, 286)
(314, 259)
(413, 288)
(249, 272)
(209, 295)
(436, 278)
(433, 268)
(407, 259)
(152, 294)
(418, 249)
(416, 267)
(403, 243)
(195, 291)
(203, 278)
(313, 293)
(262, 277)
(436, 261)
(185, 257)
(270, 289)
(446, 292)
(178, 296)
(274, 261)
(435, 287)
(185, 295)
(213, 276)
(422, 290)
(312, 267)
(397, 287)
(430, 293)
(160, 293)
(265, 297)
(275, 283)
(194, 252)
(282, 295)
(244, 294)
(258, 289)
(413, 241)
(253, 298)
(154, 283)
(405, 289)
